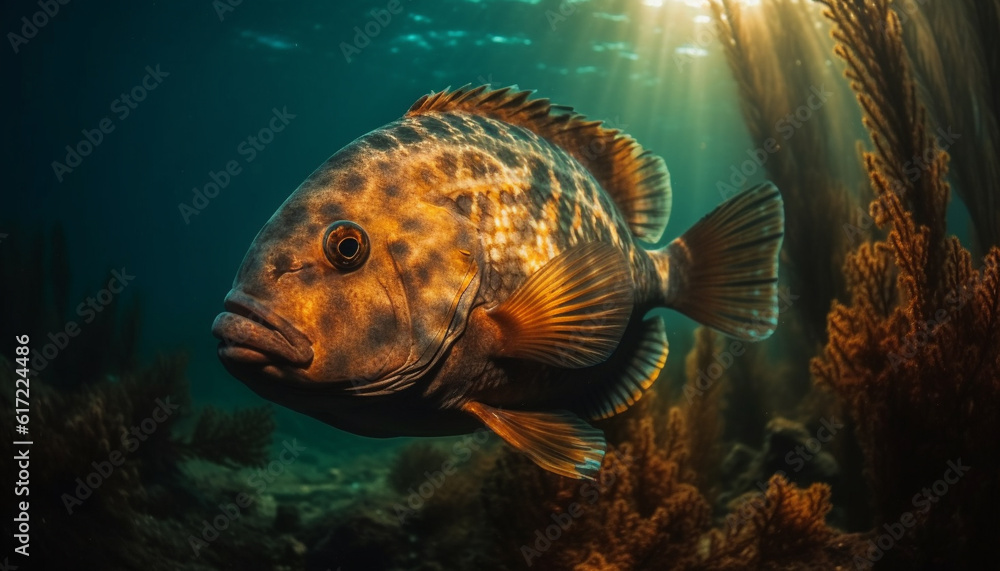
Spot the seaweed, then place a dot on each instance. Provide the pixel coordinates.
(645, 509)
(954, 45)
(428, 515)
(106, 456)
(703, 403)
(791, 99)
(915, 353)
(776, 59)
(108, 440)
(783, 528)
(233, 439)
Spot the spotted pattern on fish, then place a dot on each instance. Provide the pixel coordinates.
(530, 199)
(507, 272)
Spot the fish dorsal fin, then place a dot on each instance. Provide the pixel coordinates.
(558, 441)
(636, 179)
(571, 313)
(635, 373)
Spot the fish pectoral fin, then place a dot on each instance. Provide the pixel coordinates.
(558, 441)
(572, 312)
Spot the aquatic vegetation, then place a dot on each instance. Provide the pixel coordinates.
(798, 116)
(915, 353)
(129, 472)
(955, 53)
(233, 439)
(703, 404)
(645, 510)
(427, 515)
(108, 458)
(73, 342)
(109, 445)
(644, 505)
(795, 120)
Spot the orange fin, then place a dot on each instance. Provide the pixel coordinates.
(572, 312)
(558, 441)
(723, 272)
(637, 373)
(636, 179)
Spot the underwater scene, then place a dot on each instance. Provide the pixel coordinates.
(574, 285)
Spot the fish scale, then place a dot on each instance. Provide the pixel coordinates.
(479, 262)
(562, 193)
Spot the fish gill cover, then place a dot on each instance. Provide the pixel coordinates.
(148, 144)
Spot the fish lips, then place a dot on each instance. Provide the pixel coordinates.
(252, 335)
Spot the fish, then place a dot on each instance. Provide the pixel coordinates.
(489, 259)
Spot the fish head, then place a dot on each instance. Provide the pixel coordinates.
(356, 285)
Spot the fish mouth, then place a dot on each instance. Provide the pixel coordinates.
(253, 335)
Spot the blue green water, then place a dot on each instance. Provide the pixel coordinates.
(161, 136)
(223, 72)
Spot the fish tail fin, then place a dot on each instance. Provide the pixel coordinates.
(723, 272)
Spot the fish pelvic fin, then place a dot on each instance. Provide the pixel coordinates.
(636, 179)
(558, 441)
(723, 272)
(571, 313)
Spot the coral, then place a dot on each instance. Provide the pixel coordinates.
(783, 528)
(106, 456)
(645, 512)
(915, 353)
(776, 55)
(784, 452)
(645, 509)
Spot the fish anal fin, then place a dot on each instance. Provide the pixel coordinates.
(636, 370)
(571, 313)
(636, 180)
(558, 441)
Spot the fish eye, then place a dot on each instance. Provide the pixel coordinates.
(345, 245)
